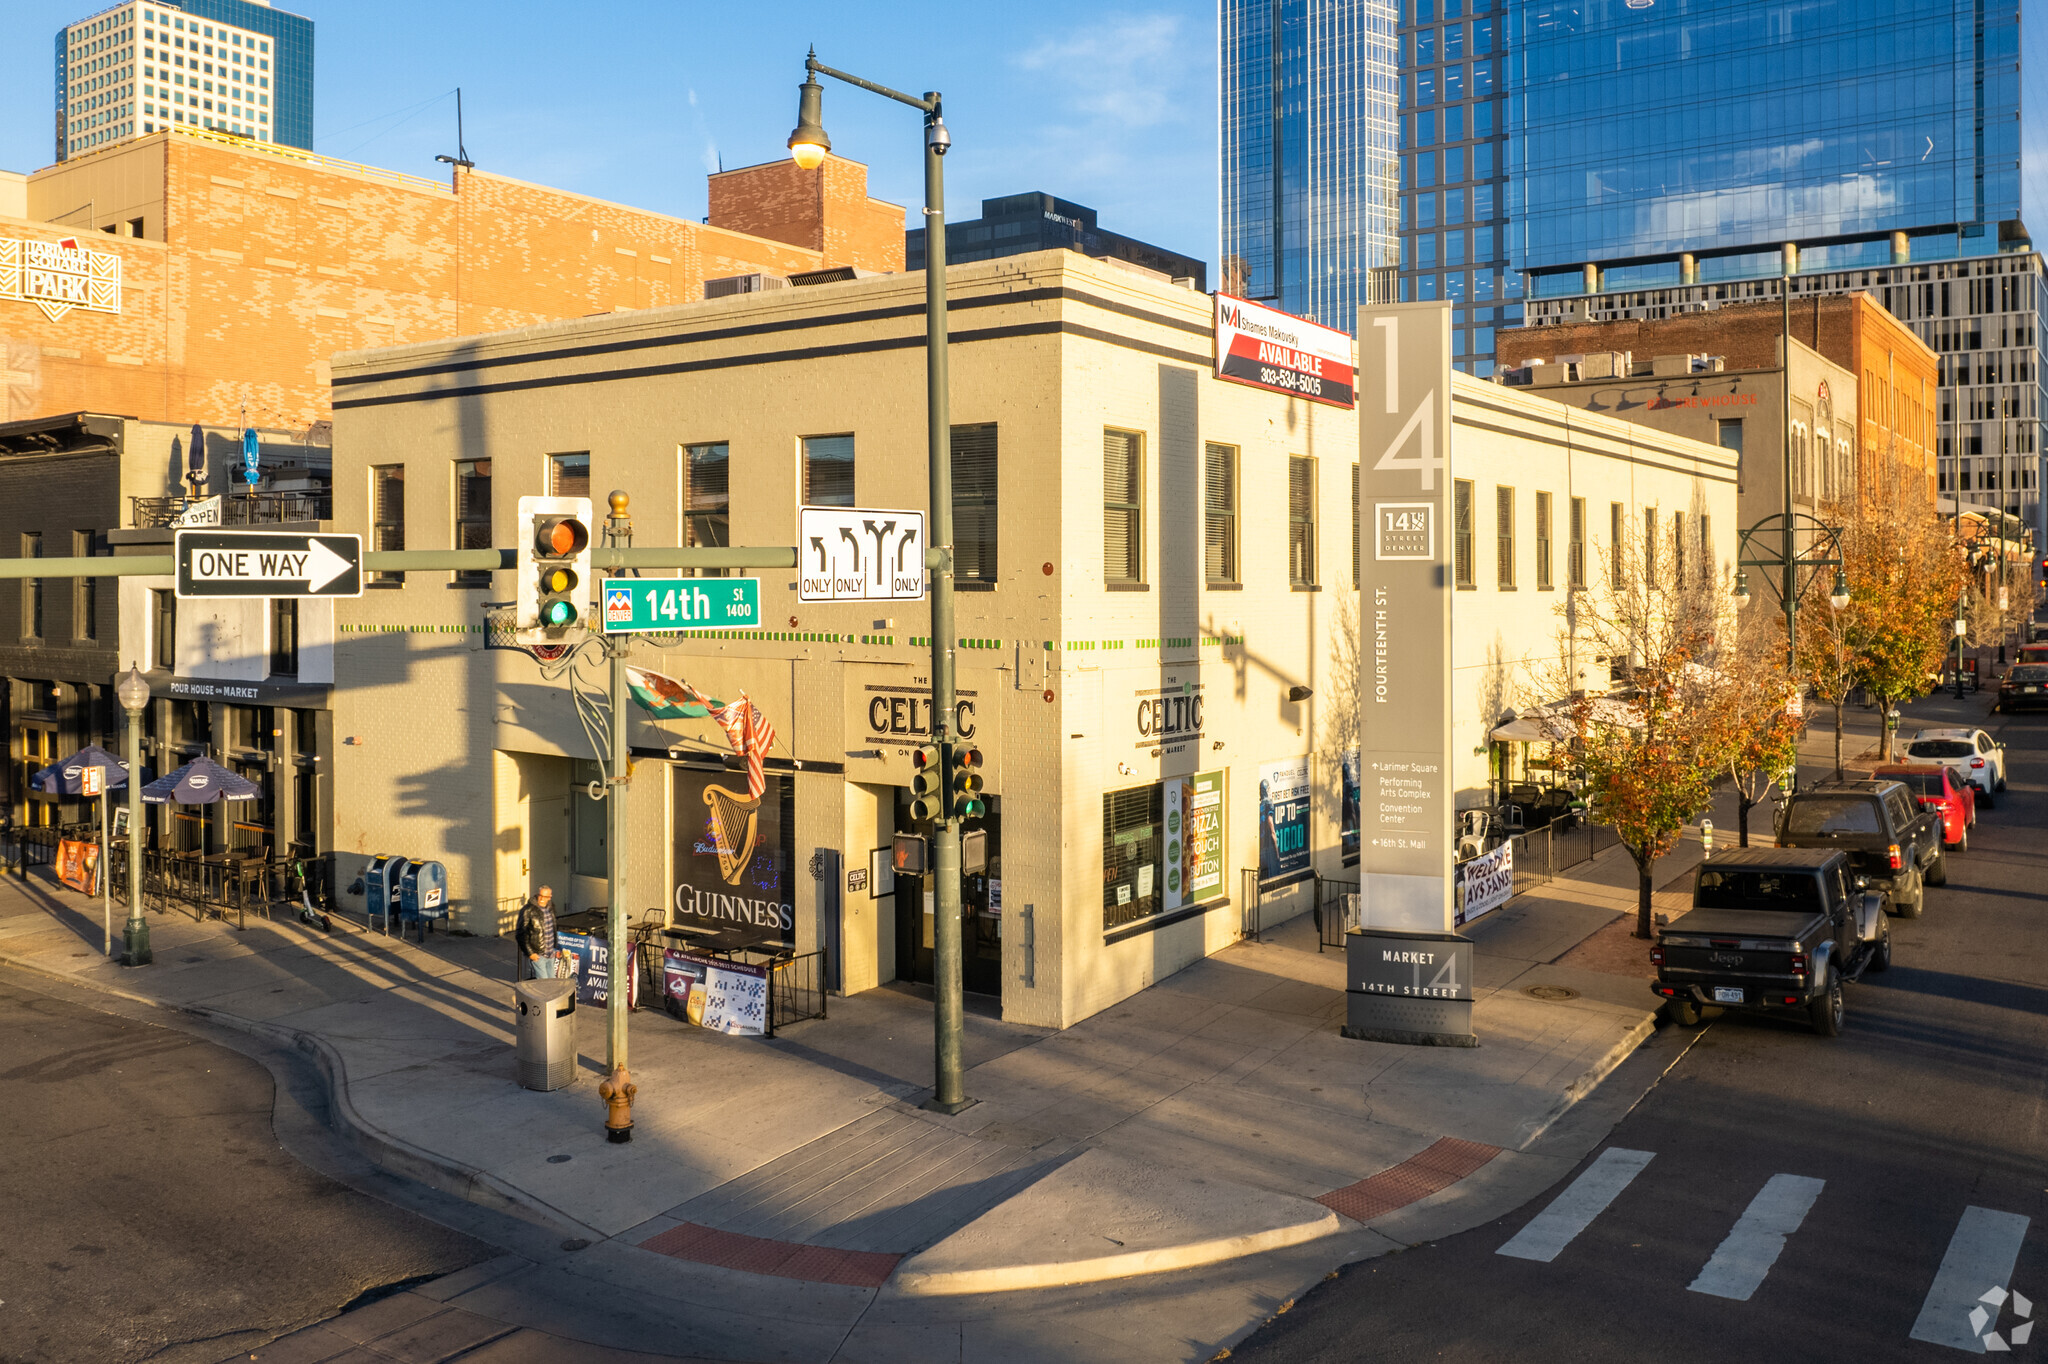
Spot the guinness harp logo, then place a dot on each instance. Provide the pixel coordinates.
(735, 825)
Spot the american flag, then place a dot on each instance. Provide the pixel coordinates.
(748, 731)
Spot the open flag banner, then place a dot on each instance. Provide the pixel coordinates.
(665, 698)
(746, 728)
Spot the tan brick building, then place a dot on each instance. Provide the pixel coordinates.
(1155, 560)
(243, 266)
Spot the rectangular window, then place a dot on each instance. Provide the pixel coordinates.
(1728, 434)
(1617, 532)
(1650, 547)
(1123, 507)
(1678, 548)
(974, 503)
(1575, 549)
(707, 511)
(85, 592)
(569, 475)
(1706, 551)
(1219, 513)
(473, 516)
(284, 637)
(32, 589)
(1543, 579)
(1504, 536)
(1301, 521)
(828, 471)
(1461, 545)
(165, 653)
(387, 513)
(1132, 825)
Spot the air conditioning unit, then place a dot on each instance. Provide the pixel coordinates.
(743, 284)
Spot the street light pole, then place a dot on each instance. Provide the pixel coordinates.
(808, 145)
(132, 691)
(1788, 586)
(618, 1088)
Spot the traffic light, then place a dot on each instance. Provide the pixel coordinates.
(554, 567)
(925, 783)
(964, 784)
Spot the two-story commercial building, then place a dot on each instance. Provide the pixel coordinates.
(1152, 563)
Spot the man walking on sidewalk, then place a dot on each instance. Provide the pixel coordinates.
(535, 934)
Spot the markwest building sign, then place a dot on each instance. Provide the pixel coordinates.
(1269, 349)
(59, 276)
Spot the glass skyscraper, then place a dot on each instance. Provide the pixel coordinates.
(1310, 177)
(1667, 156)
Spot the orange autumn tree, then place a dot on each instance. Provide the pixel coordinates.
(1904, 575)
(1652, 745)
(1761, 724)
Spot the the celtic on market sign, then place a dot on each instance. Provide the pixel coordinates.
(59, 276)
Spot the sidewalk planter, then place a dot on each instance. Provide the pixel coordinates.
(1408, 987)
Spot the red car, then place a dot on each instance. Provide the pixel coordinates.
(1935, 785)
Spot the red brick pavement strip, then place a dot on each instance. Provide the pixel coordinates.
(783, 1259)
(1447, 1161)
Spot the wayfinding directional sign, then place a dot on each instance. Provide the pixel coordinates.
(628, 605)
(251, 563)
(859, 554)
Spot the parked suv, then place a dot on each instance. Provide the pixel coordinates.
(1971, 754)
(1888, 837)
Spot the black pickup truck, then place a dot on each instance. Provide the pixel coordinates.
(1772, 930)
(1891, 839)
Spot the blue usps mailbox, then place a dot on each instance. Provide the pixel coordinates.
(422, 894)
(380, 888)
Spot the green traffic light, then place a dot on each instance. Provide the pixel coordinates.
(556, 614)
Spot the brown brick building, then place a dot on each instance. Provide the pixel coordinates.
(243, 266)
(1897, 377)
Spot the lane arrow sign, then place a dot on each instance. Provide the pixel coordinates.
(220, 563)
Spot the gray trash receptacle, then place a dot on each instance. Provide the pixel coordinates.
(544, 1029)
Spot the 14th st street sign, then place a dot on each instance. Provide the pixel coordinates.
(244, 563)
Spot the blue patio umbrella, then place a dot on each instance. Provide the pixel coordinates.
(64, 778)
(200, 782)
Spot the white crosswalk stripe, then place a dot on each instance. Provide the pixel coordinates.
(1981, 1254)
(1572, 1211)
(1742, 1260)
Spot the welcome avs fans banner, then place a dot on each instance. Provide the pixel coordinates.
(1269, 349)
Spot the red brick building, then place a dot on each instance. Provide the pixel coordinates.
(1897, 376)
(229, 271)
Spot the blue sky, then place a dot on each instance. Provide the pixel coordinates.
(634, 102)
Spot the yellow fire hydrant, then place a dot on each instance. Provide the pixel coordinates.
(618, 1092)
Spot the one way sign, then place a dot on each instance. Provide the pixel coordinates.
(248, 563)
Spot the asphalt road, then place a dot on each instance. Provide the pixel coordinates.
(1933, 1102)
(150, 1212)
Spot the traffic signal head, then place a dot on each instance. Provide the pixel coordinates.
(554, 566)
(926, 783)
(965, 783)
(908, 855)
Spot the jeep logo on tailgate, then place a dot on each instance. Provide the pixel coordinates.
(1726, 958)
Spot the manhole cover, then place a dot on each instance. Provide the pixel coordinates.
(558, 1160)
(1551, 992)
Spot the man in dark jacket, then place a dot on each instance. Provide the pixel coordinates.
(535, 933)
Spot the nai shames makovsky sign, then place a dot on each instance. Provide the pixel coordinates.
(1269, 349)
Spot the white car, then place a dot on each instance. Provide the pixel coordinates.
(1971, 754)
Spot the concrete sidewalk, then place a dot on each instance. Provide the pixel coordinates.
(1146, 1185)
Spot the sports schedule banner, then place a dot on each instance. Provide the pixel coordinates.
(1269, 349)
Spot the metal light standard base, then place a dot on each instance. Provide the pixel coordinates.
(133, 693)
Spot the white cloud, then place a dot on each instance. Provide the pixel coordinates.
(1130, 68)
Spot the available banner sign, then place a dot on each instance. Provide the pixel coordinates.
(1485, 883)
(1269, 349)
(1283, 821)
(593, 968)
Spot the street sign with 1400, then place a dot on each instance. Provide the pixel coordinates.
(630, 605)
